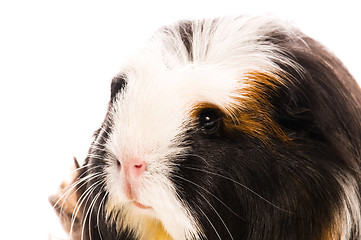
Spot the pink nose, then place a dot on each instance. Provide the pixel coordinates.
(137, 167)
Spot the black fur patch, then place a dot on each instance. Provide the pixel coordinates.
(118, 83)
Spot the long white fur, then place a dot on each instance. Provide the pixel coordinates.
(151, 114)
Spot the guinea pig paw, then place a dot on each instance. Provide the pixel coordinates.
(65, 201)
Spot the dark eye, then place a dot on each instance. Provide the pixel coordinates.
(118, 83)
(209, 120)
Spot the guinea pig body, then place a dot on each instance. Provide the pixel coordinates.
(230, 128)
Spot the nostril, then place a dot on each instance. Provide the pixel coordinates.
(138, 168)
(138, 165)
(119, 164)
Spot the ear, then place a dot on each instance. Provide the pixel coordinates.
(65, 202)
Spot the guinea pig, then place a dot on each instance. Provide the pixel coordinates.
(226, 128)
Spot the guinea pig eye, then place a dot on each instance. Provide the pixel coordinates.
(209, 120)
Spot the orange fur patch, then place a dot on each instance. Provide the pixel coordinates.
(252, 111)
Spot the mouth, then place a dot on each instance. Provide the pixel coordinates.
(139, 205)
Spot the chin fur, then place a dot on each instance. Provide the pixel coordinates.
(280, 161)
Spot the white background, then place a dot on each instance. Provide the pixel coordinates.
(57, 59)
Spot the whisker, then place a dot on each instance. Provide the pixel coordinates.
(100, 207)
(68, 189)
(210, 222)
(242, 185)
(86, 204)
(81, 200)
(91, 208)
(211, 195)
(78, 169)
(200, 157)
(91, 167)
(217, 215)
(67, 193)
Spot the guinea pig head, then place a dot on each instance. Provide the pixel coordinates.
(172, 126)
